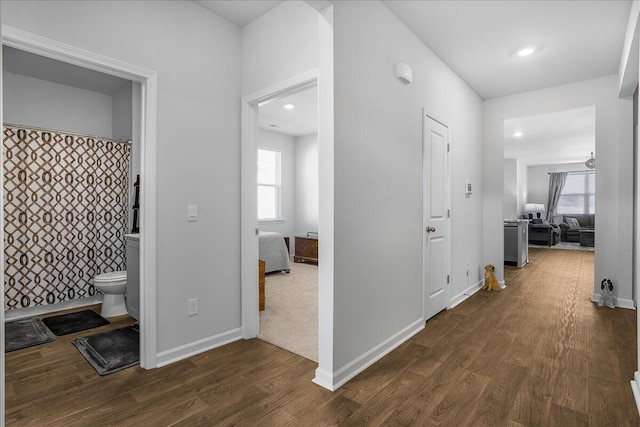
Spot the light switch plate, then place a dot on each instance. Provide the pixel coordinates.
(192, 307)
(192, 213)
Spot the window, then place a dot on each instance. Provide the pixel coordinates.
(578, 195)
(269, 172)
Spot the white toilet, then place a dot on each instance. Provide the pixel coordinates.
(113, 285)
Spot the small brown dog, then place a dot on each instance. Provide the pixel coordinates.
(490, 281)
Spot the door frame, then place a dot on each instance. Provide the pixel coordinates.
(49, 48)
(443, 122)
(249, 193)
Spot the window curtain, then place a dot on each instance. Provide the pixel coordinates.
(66, 212)
(556, 184)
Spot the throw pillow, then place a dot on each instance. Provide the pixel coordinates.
(572, 223)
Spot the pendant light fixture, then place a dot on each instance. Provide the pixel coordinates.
(591, 163)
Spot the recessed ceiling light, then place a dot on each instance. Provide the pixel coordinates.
(288, 106)
(526, 51)
(517, 134)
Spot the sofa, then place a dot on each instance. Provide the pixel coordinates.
(570, 230)
(543, 233)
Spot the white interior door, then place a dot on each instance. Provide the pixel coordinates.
(436, 254)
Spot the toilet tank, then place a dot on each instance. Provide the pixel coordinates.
(133, 275)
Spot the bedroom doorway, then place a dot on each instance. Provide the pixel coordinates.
(287, 139)
(280, 216)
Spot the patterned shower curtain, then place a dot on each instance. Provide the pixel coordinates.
(65, 213)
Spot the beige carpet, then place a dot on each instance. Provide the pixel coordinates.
(290, 317)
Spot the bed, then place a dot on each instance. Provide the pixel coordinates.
(273, 251)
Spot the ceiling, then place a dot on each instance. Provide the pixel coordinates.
(39, 67)
(301, 120)
(240, 13)
(560, 137)
(576, 40)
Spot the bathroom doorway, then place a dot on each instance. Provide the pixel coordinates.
(143, 93)
(70, 192)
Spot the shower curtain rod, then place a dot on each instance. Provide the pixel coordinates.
(574, 172)
(68, 133)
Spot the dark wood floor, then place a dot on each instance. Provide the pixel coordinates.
(538, 353)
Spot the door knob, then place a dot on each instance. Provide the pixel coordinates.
(431, 229)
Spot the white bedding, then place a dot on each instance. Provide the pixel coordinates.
(273, 251)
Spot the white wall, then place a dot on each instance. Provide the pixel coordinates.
(628, 85)
(307, 196)
(538, 188)
(523, 182)
(44, 104)
(515, 188)
(614, 183)
(326, 190)
(279, 45)
(378, 179)
(122, 107)
(198, 146)
(510, 201)
(284, 144)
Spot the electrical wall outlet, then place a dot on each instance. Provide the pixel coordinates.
(192, 307)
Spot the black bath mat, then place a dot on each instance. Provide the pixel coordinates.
(25, 333)
(111, 351)
(66, 324)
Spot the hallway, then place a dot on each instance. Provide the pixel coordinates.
(538, 353)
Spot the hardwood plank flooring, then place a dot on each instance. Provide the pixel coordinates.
(538, 353)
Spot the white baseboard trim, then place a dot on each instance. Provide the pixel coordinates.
(635, 386)
(184, 351)
(622, 302)
(336, 380)
(21, 313)
(462, 296)
(323, 379)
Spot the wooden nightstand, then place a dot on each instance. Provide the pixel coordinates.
(306, 250)
(261, 280)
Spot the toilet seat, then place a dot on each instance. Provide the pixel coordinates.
(113, 276)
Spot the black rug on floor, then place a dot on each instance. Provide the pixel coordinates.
(66, 324)
(25, 333)
(111, 351)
